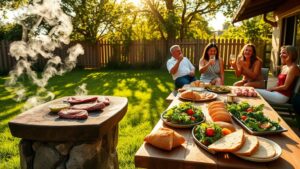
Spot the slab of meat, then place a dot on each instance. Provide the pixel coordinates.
(99, 105)
(78, 100)
(73, 114)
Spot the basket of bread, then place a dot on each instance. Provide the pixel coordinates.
(184, 115)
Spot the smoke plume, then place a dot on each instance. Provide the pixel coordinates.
(46, 28)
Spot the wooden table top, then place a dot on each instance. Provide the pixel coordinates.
(40, 124)
(189, 155)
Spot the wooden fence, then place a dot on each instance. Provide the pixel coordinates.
(152, 53)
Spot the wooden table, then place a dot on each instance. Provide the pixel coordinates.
(40, 124)
(189, 155)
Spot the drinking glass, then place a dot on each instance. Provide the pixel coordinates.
(231, 60)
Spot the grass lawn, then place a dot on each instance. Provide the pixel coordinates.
(146, 91)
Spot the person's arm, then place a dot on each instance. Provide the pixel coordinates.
(174, 69)
(192, 68)
(291, 76)
(238, 67)
(203, 65)
(253, 73)
(221, 62)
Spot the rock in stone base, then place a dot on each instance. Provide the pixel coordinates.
(46, 157)
(99, 154)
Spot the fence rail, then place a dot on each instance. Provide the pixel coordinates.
(138, 53)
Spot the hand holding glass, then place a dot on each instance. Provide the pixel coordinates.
(213, 58)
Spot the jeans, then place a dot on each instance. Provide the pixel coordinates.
(180, 81)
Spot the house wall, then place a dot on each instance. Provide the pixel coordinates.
(290, 8)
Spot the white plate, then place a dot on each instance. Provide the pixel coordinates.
(276, 147)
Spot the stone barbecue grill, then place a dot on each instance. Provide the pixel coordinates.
(51, 142)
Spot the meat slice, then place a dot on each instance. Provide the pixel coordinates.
(78, 100)
(99, 105)
(73, 114)
(89, 106)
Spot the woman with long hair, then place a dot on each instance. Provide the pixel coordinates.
(211, 66)
(249, 66)
(287, 78)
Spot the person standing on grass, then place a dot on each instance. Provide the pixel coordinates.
(180, 67)
(249, 66)
(211, 66)
(287, 78)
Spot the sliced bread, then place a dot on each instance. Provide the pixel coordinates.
(229, 143)
(265, 150)
(250, 146)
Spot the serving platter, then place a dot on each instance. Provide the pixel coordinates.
(200, 144)
(176, 125)
(214, 96)
(277, 148)
(218, 89)
(257, 133)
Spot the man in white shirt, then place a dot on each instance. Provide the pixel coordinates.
(181, 69)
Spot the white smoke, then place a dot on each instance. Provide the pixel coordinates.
(42, 41)
(81, 90)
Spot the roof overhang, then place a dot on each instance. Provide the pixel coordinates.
(251, 8)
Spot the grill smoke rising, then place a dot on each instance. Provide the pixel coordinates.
(48, 28)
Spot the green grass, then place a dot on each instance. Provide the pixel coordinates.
(146, 92)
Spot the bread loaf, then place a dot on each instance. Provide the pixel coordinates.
(229, 143)
(250, 146)
(165, 138)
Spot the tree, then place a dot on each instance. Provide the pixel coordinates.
(92, 19)
(251, 30)
(175, 16)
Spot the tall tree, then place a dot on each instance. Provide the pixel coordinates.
(175, 16)
(92, 19)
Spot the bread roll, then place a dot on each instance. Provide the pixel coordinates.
(265, 150)
(214, 110)
(250, 146)
(191, 95)
(229, 143)
(221, 116)
(165, 138)
(216, 103)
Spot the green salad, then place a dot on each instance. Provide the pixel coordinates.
(253, 117)
(184, 113)
(207, 133)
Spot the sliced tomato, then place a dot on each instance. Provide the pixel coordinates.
(243, 117)
(250, 110)
(193, 118)
(190, 112)
(210, 132)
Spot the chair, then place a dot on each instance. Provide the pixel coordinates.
(265, 73)
(289, 107)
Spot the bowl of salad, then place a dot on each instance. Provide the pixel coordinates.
(205, 134)
(252, 119)
(184, 115)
